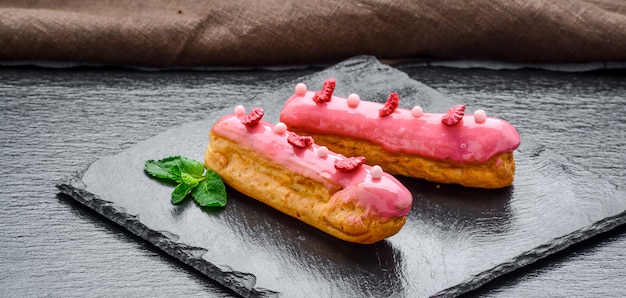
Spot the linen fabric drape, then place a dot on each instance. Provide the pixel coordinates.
(163, 33)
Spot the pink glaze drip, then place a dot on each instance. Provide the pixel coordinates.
(385, 197)
(425, 136)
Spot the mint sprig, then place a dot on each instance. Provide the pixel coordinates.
(205, 185)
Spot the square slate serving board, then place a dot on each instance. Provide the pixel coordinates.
(455, 238)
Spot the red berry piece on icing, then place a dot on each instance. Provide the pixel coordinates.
(454, 115)
(299, 141)
(349, 164)
(390, 106)
(253, 118)
(326, 93)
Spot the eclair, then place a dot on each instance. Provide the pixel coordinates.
(472, 150)
(336, 194)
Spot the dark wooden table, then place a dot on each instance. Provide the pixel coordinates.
(55, 122)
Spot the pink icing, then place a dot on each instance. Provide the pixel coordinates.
(425, 136)
(385, 197)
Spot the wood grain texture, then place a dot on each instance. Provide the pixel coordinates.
(53, 123)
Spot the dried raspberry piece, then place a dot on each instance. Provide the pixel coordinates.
(454, 115)
(326, 93)
(390, 106)
(253, 118)
(299, 141)
(349, 164)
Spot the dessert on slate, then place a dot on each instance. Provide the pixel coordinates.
(471, 150)
(338, 195)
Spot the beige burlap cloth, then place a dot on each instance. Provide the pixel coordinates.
(161, 33)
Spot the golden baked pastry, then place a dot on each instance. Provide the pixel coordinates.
(470, 150)
(338, 195)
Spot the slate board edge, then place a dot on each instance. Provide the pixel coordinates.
(240, 283)
(243, 283)
(534, 255)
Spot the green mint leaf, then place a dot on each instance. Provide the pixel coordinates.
(162, 168)
(180, 192)
(210, 192)
(177, 173)
(167, 168)
(191, 167)
(207, 191)
(172, 167)
(191, 179)
(188, 182)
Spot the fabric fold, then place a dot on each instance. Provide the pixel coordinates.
(261, 33)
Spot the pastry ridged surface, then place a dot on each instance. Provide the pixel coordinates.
(472, 150)
(497, 172)
(350, 207)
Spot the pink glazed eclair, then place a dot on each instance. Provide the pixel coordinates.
(470, 150)
(338, 195)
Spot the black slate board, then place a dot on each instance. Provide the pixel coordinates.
(455, 239)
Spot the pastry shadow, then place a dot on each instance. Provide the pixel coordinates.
(369, 265)
(451, 206)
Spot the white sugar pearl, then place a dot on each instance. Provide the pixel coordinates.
(353, 100)
(300, 89)
(417, 111)
(280, 128)
(376, 172)
(322, 151)
(480, 116)
(240, 110)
